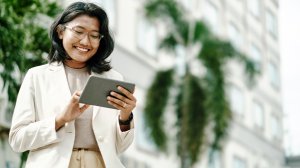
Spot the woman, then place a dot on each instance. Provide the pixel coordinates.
(49, 121)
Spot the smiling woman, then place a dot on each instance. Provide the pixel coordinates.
(78, 45)
(88, 18)
(49, 121)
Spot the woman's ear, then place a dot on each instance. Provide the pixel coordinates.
(60, 32)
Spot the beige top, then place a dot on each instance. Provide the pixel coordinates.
(84, 135)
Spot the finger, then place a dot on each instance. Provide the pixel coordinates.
(133, 90)
(74, 93)
(83, 108)
(117, 101)
(127, 93)
(121, 97)
(116, 105)
(75, 98)
(78, 93)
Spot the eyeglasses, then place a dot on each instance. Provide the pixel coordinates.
(80, 33)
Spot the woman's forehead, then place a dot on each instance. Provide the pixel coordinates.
(86, 22)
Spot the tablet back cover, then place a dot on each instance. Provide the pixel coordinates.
(98, 88)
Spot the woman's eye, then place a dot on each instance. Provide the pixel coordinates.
(79, 32)
(95, 37)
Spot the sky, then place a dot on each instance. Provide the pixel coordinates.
(289, 33)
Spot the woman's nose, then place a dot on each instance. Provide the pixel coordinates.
(85, 40)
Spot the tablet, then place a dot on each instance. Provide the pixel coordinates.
(97, 89)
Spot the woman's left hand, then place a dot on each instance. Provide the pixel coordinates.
(125, 104)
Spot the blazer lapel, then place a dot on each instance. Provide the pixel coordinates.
(59, 80)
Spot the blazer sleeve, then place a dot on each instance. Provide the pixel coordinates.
(123, 139)
(26, 133)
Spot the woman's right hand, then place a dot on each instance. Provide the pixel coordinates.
(71, 111)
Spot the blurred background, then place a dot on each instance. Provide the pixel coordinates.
(260, 129)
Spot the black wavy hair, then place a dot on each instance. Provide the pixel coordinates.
(97, 63)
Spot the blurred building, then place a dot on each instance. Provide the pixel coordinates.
(256, 136)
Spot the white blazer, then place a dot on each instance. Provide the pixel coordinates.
(44, 93)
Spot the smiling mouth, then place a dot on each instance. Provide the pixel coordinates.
(82, 49)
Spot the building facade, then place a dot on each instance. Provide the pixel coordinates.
(256, 135)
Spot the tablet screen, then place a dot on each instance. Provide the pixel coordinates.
(98, 88)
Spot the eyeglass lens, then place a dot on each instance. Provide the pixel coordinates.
(93, 36)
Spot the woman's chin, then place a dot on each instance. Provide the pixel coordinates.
(80, 58)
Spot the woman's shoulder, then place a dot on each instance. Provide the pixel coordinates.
(39, 68)
(44, 69)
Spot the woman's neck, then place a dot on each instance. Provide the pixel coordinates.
(73, 64)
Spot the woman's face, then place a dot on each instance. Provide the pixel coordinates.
(80, 50)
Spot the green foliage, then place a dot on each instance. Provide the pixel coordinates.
(169, 43)
(23, 42)
(214, 55)
(201, 32)
(24, 157)
(169, 11)
(165, 9)
(191, 118)
(202, 105)
(197, 118)
(157, 99)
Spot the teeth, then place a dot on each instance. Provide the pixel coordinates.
(82, 49)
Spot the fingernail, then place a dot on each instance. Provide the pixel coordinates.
(119, 87)
(108, 98)
(112, 93)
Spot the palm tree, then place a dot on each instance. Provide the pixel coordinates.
(23, 44)
(202, 109)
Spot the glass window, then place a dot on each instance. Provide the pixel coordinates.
(271, 23)
(109, 6)
(276, 127)
(256, 56)
(273, 75)
(216, 160)
(2, 101)
(254, 7)
(8, 115)
(10, 165)
(236, 100)
(147, 36)
(235, 37)
(143, 140)
(180, 60)
(185, 3)
(258, 115)
(211, 16)
(238, 163)
(124, 159)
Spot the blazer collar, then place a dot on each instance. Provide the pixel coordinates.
(55, 66)
(59, 80)
(58, 77)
